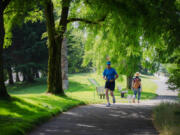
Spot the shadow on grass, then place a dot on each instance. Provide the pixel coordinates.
(40, 87)
(37, 87)
(19, 115)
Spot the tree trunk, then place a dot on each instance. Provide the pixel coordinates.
(3, 91)
(24, 76)
(64, 64)
(55, 44)
(10, 75)
(129, 82)
(37, 74)
(17, 77)
(30, 78)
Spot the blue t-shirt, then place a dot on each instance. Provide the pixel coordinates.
(110, 73)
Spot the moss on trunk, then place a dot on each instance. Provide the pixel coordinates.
(55, 45)
(3, 91)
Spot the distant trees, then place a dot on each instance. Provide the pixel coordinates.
(11, 12)
(76, 48)
(28, 53)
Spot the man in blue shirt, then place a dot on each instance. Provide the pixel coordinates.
(110, 75)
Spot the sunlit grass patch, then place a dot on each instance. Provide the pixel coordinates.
(81, 89)
(22, 113)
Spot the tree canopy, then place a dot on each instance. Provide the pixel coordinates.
(133, 34)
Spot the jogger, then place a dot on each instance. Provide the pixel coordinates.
(110, 75)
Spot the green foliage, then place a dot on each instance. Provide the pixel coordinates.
(123, 37)
(174, 76)
(28, 53)
(76, 52)
(18, 12)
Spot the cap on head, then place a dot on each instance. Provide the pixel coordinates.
(137, 74)
(108, 63)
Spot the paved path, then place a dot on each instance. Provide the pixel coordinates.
(119, 119)
(164, 94)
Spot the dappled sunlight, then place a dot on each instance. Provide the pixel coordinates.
(27, 110)
(72, 113)
(84, 125)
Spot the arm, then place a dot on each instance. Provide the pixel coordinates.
(116, 76)
(132, 84)
(104, 75)
(140, 85)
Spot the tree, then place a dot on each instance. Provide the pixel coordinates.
(55, 39)
(121, 33)
(3, 6)
(28, 52)
(11, 12)
(75, 46)
(54, 47)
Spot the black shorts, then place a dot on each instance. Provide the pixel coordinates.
(110, 85)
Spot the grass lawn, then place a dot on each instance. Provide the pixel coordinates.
(30, 105)
(23, 112)
(81, 89)
(167, 118)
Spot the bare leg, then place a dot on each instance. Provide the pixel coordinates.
(133, 100)
(112, 94)
(134, 96)
(107, 95)
(139, 95)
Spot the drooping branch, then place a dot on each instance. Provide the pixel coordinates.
(21, 11)
(85, 20)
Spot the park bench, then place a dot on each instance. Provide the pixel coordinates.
(99, 89)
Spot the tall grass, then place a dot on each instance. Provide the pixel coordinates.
(167, 118)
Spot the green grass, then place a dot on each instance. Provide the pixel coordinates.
(167, 118)
(22, 113)
(81, 89)
(30, 105)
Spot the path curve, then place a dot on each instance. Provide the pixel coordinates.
(119, 119)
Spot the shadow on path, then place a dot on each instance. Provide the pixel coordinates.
(100, 120)
(119, 119)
